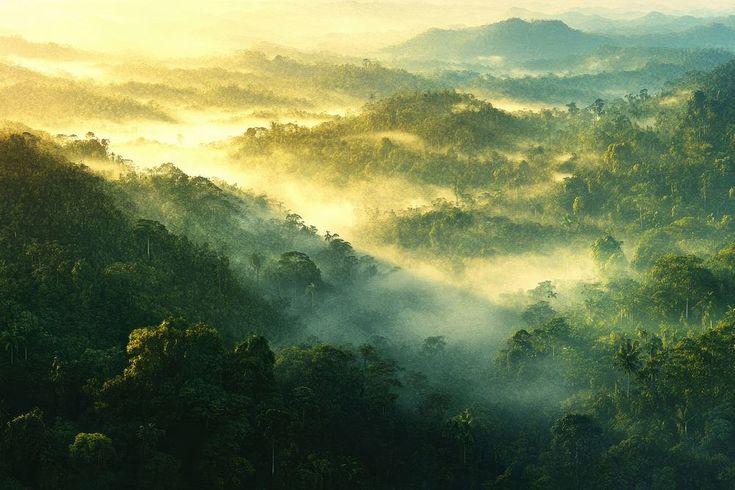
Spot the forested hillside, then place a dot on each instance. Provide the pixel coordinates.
(286, 269)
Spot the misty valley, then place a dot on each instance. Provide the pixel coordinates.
(459, 256)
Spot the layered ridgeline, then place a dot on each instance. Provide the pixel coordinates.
(198, 399)
(526, 181)
(51, 85)
(162, 330)
(650, 23)
(636, 368)
(512, 39)
(549, 62)
(60, 87)
(516, 41)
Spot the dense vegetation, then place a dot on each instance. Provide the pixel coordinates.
(185, 404)
(165, 330)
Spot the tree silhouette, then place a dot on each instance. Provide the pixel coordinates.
(462, 429)
(257, 260)
(628, 358)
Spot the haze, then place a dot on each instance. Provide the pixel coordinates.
(186, 28)
(367, 245)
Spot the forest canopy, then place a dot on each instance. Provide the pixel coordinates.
(500, 257)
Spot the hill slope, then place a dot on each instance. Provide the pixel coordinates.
(510, 39)
(515, 42)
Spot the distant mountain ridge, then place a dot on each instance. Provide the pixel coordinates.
(513, 38)
(517, 41)
(714, 35)
(650, 23)
(18, 46)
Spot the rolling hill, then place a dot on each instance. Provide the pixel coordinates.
(515, 42)
(510, 39)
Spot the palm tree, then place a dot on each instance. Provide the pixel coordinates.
(462, 428)
(628, 357)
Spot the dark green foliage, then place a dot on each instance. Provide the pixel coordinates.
(295, 270)
(608, 254)
(152, 328)
(577, 446)
(78, 275)
(186, 405)
(677, 283)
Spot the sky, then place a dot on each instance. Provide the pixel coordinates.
(193, 27)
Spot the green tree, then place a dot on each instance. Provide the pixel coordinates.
(538, 313)
(94, 456)
(628, 358)
(462, 429)
(676, 283)
(257, 261)
(576, 449)
(149, 231)
(608, 254)
(24, 444)
(295, 270)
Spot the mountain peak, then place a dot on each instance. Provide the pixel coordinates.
(513, 38)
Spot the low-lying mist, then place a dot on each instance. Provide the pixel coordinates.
(466, 300)
(344, 209)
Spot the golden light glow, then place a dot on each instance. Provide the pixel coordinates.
(193, 27)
